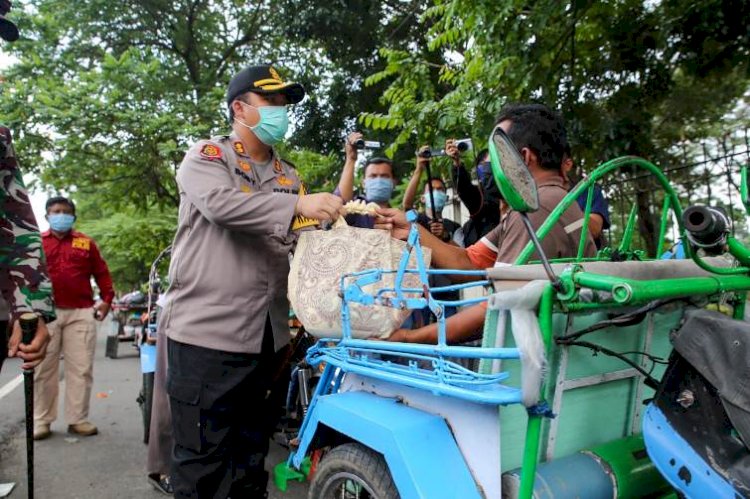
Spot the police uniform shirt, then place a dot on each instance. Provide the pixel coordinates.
(230, 261)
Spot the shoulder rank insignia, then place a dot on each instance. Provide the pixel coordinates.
(277, 166)
(245, 166)
(210, 151)
(81, 243)
(284, 180)
(239, 148)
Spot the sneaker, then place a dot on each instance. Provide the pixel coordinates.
(161, 483)
(84, 429)
(41, 431)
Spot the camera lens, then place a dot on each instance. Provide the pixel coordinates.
(360, 144)
(462, 146)
(425, 154)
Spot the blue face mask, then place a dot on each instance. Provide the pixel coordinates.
(61, 222)
(440, 198)
(484, 172)
(378, 190)
(272, 126)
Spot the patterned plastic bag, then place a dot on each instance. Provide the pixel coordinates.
(322, 257)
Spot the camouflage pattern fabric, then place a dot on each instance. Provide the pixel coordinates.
(24, 281)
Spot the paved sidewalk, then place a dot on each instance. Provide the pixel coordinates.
(108, 465)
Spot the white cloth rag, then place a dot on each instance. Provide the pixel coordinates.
(519, 305)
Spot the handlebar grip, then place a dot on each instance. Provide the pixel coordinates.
(28, 322)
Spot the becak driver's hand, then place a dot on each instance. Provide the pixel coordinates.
(394, 221)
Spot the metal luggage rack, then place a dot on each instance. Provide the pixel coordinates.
(422, 366)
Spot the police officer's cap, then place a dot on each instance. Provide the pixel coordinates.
(263, 80)
(8, 30)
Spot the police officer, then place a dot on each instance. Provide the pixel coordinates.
(24, 282)
(241, 207)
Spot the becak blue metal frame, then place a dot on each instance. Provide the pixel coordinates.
(381, 424)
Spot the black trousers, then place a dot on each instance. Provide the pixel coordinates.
(224, 407)
(4, 337)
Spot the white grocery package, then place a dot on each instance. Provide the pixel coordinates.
(322, 257)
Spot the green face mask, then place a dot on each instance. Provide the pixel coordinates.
(272, 126)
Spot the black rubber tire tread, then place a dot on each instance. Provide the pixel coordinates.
(360, 461)
(148, 397)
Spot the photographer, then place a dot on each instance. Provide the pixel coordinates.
(483, 202)
(345, 189)
(432, 219)
(378, 182)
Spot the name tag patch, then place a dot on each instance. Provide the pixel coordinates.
(81, 243)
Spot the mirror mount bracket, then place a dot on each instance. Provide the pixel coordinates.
(744, 192)
(556, 282)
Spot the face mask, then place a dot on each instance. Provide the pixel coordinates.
(441, 199)
(378, 190)
(490, 192)
(484, 171)
(61, 222)
(272, 126)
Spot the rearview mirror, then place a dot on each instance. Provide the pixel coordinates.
(511, 174)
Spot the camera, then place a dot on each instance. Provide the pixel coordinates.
(367, 144)
(431, 153)
(464, 145)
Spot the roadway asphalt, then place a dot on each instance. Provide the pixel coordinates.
(108, 465)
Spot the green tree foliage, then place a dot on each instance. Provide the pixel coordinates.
(105, 97)
(129, 241)
(629, 76)
(111, 94)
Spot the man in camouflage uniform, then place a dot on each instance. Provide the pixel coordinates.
(24, 282)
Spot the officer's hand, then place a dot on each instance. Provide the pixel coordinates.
(394, 221)
(437, 228)
(451, 150)
(422, 161)
(351, 145)
(101, 310)
(321, 206)
(34, 353)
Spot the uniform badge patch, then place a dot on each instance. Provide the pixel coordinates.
(239, 148)
(210, 151)
(81, 243)
(245, 166)
(245, 188)
(301, 222)
(277, 167)
(285, 181)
